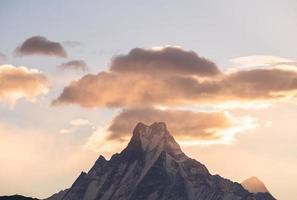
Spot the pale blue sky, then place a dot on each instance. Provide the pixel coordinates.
(219, 30)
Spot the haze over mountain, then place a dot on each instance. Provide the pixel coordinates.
(253, 184)
(153, 167)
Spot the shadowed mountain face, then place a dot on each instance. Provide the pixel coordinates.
(153, 167)
(16, 197)
(253, 184)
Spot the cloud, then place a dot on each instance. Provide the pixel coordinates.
(163, 61)
(3, 57)
(19, 82)
(74, 65)
(109, 89)
(71, 43)
(259, 84)
(196, 125)
(116, 90)
(38, 45)
(143, 71)
(201, 126)
(262, 62)
(259, 60)
(121, 87)
(197, 128)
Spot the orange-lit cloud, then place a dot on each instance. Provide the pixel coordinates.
(147, 87)
(21, 82)
(39, 45)
(196, 125)
(196, 128)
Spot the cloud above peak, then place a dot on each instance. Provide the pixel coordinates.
(196, 125)
(164, 61)
(39, 45)
(197, 128)
(146, 73)
(152, 78)
(21, 82)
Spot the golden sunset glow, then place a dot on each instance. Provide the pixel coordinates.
(209, 86)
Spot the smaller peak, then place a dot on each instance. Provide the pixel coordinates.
(253, 178)
(100, 162)
(101, 158)
(254, 185)
(82, 173)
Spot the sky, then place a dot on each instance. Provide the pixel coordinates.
(75, 78)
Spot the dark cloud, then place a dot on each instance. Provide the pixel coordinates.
(259, 84)
(249, 85)
(164, 61)
(38, 45)
(74, 65)
(118, 88)
(195, 126)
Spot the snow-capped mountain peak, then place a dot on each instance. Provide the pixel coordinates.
(156, 138)
(153, 167)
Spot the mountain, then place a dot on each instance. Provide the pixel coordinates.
(153, 167)
(253, 184)
(58, 195)
(16, 197)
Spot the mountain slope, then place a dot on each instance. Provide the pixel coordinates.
(16, 197)
(58, 195)
(153, 167)
(253, 184)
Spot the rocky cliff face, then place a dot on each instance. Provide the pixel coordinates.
(153, 167)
